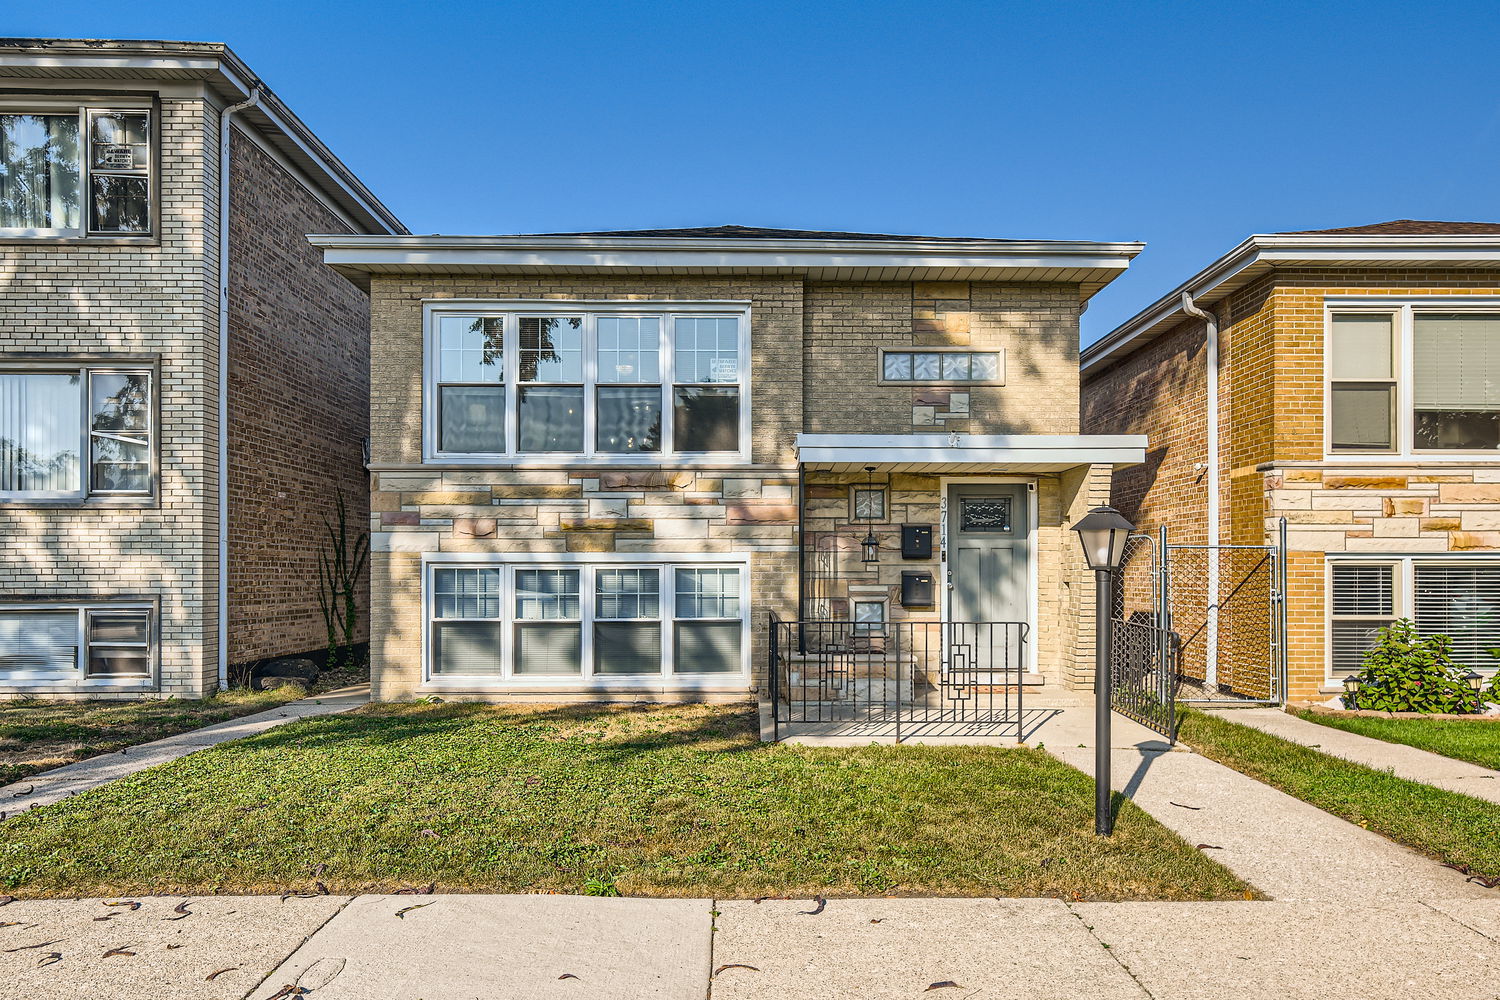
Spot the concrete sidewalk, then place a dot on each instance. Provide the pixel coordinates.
(1398, 758)
(1284, 847)
(55, 785)
(446, 947)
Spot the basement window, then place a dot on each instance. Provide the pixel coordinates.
(54, 645)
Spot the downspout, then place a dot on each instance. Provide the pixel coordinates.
(1211, 447)
(224, 123)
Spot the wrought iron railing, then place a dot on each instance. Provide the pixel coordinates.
(899, 678)
(1145, 675)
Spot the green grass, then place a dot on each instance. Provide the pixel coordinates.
(1448, 826)
(1477, 742)
(38, 735)
(666, 801)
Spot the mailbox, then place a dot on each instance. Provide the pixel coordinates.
(916, 541)
(916, 589)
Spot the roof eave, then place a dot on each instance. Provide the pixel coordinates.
(1264, 252)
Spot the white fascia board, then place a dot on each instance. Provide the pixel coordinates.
(992, 450)
(529, 252)
(1266, 251)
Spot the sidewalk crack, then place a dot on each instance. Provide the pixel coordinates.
(1467, 927)
(296, 948)
(713, 932)
(1110, 952)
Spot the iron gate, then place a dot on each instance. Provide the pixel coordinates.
(1197, 623)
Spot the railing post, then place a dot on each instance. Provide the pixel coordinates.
(1023, 629)
(775, 684)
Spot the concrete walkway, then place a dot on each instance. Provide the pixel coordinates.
(448, 947)
(1288, 849)
(52, 786)
(1403, 761)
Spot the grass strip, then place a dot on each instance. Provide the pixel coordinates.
(1454, 828)
(1477, 742)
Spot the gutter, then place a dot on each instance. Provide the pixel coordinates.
(1211, 449)
(225, 117)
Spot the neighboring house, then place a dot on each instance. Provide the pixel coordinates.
(1358, 396)
(169, 440)
(602, 461)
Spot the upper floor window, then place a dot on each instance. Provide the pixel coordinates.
(75, 173)
(75, 431)
(614, 384)
(1413, 379)
(943, 367)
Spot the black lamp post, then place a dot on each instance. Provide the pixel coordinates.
(1103, 532)
(869, 549)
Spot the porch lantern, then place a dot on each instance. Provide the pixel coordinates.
(869, 548)
(1103, 532)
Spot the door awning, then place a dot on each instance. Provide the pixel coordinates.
(968, 452)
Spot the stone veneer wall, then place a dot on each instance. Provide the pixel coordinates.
(145, 299)
(721, 510)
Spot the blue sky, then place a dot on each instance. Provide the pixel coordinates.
(1186, 125)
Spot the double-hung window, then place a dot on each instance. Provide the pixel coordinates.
(79, 172)
(1418, 378)
(100, 643)
(612, 384)
(75, 431)
(1459, 598)
(533, 623)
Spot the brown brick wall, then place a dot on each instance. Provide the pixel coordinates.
(299, 406)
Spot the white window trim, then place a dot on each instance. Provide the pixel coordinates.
(1403, 588)
(589, 310)
(586, 562)
(86, 371)
(79, 678)
(1403, 310)
(44, 106)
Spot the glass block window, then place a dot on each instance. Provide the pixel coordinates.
(941, 366)
(869, 504)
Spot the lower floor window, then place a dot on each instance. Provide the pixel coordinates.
(533, 622)
(1456, 598)
(102, 642)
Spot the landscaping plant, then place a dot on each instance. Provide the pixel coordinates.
(1409, 672)
(340, 566)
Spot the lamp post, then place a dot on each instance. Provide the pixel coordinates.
(1103, 532)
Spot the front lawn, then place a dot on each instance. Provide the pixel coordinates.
(1477, 742)
(1455, 828)
(669, 801)
(38, 735)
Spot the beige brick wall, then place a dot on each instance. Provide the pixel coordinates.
(141, 301)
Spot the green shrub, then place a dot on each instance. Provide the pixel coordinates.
(1409, 672)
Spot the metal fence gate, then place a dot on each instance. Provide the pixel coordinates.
(1197, 623)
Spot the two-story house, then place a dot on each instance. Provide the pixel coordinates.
(601, 462)
(1346, 380)
(183, 385)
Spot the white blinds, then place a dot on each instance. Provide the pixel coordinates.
(1463, 603)
(1457, 362)
(1362, 347)
(38, 642)
(1364, 590)
(41, 428)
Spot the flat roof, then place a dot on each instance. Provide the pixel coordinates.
(736, 250)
